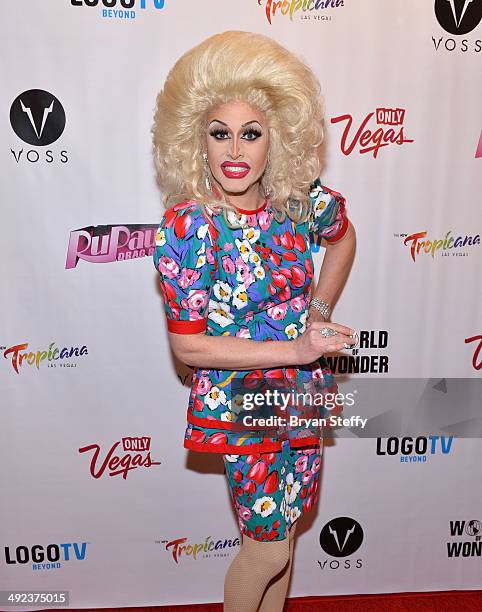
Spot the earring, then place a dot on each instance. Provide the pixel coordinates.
(207, 180)
(267, 189)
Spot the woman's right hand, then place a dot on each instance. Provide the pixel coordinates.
(311, 345)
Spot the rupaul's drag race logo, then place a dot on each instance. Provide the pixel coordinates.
(21, 355)
(305, 9)
(450, 245)
(119, 9)
(107, 243)
(209, 548)
(123, 456)
(478, 151)
(477, 356)
(380, 128)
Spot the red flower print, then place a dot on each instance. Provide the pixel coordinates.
(271, 483)
(300, 243)
(298, 276)
(275, 258)
(287, 241)
(285, 272)
(174, 309)
(279, 280)
(182, 225)
(250, 459)
(250, 487)
(285, 293)
(258, 472)
(169, 289)
(217, 438)
(197, 436)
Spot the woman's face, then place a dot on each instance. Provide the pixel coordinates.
(237, 146)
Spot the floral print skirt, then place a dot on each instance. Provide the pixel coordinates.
(270, 491)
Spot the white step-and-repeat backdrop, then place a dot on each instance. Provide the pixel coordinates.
(98, 495)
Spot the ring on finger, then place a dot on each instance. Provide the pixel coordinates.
(326, 332)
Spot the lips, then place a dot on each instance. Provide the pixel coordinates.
(235, 169)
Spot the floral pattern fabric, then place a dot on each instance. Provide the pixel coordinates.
(270, 491)
(252, 282)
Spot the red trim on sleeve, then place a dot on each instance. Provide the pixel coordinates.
(186, 327)
(341, 232)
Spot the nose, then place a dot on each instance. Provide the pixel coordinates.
(234, 149)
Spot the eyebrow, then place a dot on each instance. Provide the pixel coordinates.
(242, 125)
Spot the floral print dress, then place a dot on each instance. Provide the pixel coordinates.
(252, 282)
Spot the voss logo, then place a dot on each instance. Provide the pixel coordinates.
(38, 118)
(341, 537)
(458, 17)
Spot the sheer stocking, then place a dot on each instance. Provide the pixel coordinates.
(250, 572)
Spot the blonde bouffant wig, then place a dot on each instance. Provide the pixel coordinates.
(253, 68)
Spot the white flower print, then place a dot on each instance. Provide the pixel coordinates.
(201, 253)
(291, 330)
(259, 272)
(228, 416)
(222, 290)
(240, 297)
(237, 403)
(231, 458)
(160, 237)
(220, 313)
(295, 513)
(251, 234)
(255, 258)
(244, 248)
(322, 199)
(292, 488)
(285, 509)
(264, 506)
(214, 397)
(202, 231)
(302, 321)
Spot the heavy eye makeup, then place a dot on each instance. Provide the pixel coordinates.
(251, 133)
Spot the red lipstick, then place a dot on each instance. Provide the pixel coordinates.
(235, 169)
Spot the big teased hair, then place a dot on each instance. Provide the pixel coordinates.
(236, 65)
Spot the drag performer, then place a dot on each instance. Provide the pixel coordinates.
(237, 141)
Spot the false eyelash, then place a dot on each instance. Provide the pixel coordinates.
(251, 131)
(217, 132)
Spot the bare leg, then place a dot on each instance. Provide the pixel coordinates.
(275, 595)
(250, 572)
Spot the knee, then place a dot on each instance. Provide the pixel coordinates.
(267, 558)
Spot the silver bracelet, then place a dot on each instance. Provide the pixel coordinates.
(321, 306)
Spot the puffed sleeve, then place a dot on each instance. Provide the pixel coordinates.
(184, 258)
(329, 218)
